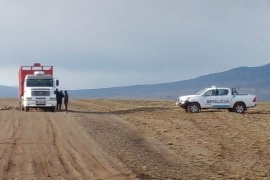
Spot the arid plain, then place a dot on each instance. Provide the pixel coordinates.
(133, 139)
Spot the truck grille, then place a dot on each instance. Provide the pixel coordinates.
(40, 93)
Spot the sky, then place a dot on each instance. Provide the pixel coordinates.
(96, 44)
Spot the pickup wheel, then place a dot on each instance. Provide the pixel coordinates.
(193, 108)
(239, 108)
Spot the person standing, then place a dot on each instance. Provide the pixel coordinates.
(59, 100)
(66, 100)
(56, 92)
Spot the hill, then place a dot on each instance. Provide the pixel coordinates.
(252, 80)
(8, 91)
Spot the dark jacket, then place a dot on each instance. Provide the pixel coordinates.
(66, 98)
(59, 96)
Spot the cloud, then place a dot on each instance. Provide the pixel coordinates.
(125, 42)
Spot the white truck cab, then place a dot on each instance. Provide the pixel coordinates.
(39, 92)
(217, 98)
(36, 87)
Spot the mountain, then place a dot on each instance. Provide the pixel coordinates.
(252, 80)
(249, 80)
(8, 91)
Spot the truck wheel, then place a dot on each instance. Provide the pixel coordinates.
(26, 109)
(239, 108)
(193, 108)
(52, 109)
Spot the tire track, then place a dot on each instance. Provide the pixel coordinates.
(11, 145)
(145, 157)
(39, 145)
(75, 159)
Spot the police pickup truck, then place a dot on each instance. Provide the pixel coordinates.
(217, 98)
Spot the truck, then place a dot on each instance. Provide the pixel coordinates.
(37, 87)
(217, 98)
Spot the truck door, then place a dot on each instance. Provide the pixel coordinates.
(223, 98)
(209, 98)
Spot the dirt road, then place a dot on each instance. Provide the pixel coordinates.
(43, 145)
(111, 139)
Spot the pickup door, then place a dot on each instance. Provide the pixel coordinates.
(216, 98)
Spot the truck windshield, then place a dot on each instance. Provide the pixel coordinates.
(39, 83)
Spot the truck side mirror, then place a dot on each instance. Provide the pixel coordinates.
(57, 82)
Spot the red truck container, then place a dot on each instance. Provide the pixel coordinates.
(25, 70)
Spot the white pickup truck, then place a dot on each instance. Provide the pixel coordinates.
(217, 98)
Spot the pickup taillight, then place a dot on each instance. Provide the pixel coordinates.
(254, 100)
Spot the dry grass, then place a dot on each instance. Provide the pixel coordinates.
(218, 142)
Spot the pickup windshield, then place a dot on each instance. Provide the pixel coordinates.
(39, 83)
(200, 92)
